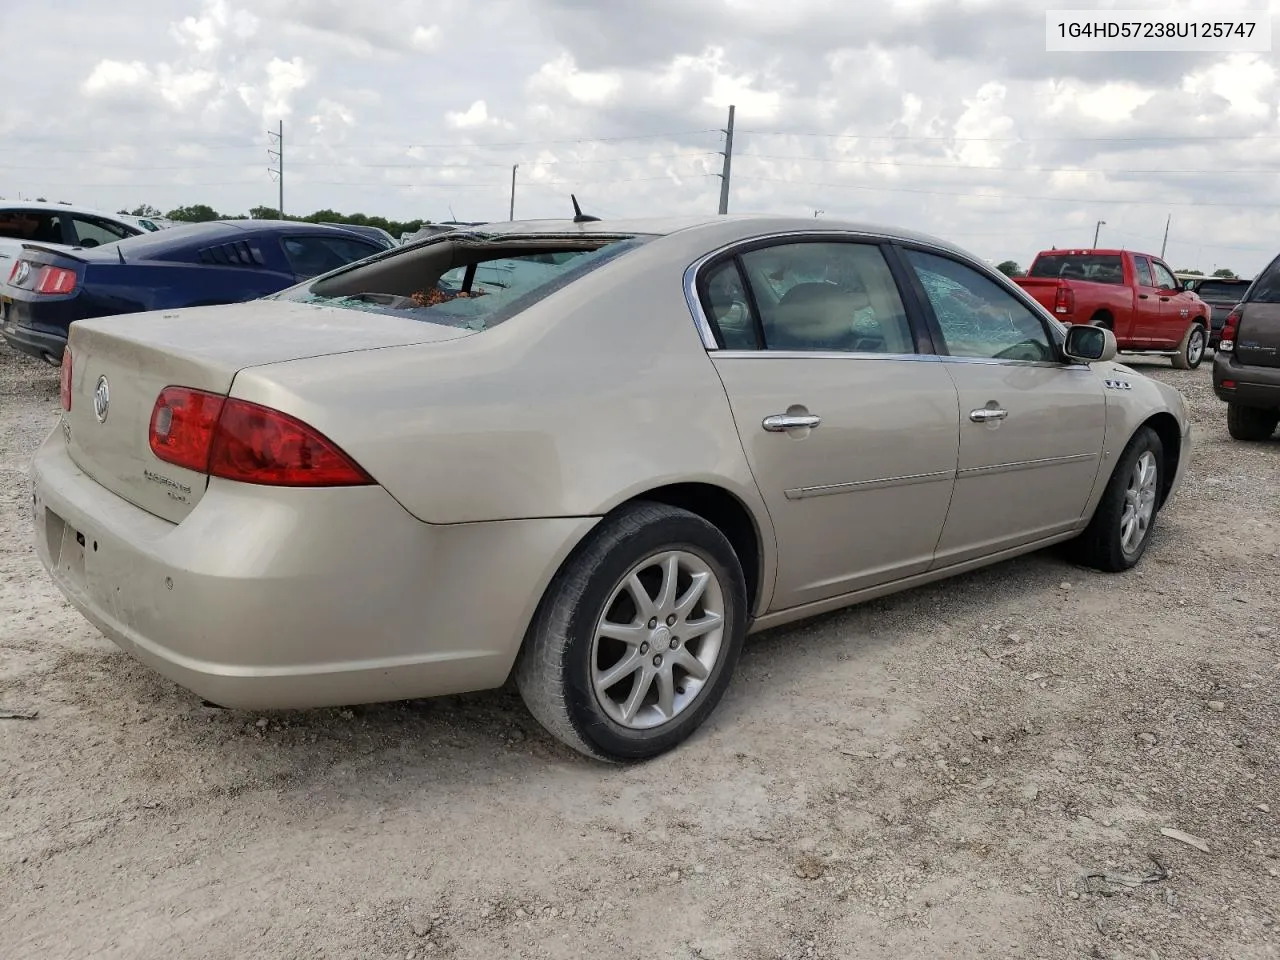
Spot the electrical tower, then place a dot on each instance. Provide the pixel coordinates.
(727, 153)
(277, 172)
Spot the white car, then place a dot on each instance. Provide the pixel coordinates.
(56, 225)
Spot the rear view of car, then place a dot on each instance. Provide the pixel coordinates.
(1246, 371)
(1221, 294)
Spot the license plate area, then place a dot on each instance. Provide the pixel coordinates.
(67, 546)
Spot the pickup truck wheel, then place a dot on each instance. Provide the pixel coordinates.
(1191, 350)
(1120, 530)
(1251, 423)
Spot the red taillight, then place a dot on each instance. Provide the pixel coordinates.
(182, 424)
(65, 378)
(14, 272)
(55, 280)
(1227, 341)
(238, 440)
(1065, 301)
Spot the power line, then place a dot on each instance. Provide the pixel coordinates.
(407, 165)
(1189, 138)
(1000, 169)
(1008, 196)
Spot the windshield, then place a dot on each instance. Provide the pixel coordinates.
(1096, 268)
(465, 282)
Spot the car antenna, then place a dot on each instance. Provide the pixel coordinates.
(578, 215)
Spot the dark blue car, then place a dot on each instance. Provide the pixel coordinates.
(194, 265)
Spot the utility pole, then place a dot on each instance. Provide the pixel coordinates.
(277, 171)
(512, 214)
(1099, 226)
(728, 162)
(1164, 243)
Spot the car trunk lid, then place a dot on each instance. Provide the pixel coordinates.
(1258, 336)
(121, 364)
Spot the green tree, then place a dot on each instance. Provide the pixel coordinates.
(264, 213)
(1198, 273)
(145, 210)
(1224, 273)
(196, 213)
(1010, 268)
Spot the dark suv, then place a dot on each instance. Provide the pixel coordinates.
(1246, 368)
(1221, 294)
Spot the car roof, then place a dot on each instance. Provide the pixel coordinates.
(729, 227)
(38, 206)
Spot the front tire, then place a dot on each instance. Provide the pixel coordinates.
(1120, 530)
(637, 637)
(1251, 423)
(1191, 351)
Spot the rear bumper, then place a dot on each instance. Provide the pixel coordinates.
(36, 343)
(1254, 386)
(264, 598)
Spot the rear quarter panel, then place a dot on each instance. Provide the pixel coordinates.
(598, 393)
(130, 288)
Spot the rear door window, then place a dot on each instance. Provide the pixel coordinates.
(31, 226)
(312, 256)
(1144, 271)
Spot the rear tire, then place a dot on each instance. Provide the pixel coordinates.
(619, 662)
(1120, 530)
(1251, 423)
(1191, 351)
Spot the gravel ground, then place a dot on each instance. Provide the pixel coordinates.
(980, 768)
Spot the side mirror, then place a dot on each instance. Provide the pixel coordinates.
(1087, 344)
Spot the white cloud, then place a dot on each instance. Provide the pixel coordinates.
(110, 76)
(425, 38)
(1246, 82)
(562, 78)
(476, 115)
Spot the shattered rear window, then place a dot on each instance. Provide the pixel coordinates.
(496, 281)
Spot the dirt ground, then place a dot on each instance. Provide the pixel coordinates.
(980, 768)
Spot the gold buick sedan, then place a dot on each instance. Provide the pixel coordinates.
(595, 455)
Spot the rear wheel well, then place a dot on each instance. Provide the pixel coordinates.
(1102, 318)
(726, 512)
(1166, 428)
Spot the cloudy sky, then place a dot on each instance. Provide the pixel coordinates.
(945, 117)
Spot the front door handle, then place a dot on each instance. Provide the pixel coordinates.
(985, 414)
(782, 422)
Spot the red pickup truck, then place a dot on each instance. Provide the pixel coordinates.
(1134, 295)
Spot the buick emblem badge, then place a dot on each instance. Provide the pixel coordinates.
(101, 400)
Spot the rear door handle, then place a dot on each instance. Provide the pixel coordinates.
(985, 414)
(782, 422)
(1143, 296)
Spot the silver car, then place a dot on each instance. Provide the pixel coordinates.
(394, 482)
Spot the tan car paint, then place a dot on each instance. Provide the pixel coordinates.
(505, 446)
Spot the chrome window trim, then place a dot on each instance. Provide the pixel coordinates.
(690, 281)
(1056, 329)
